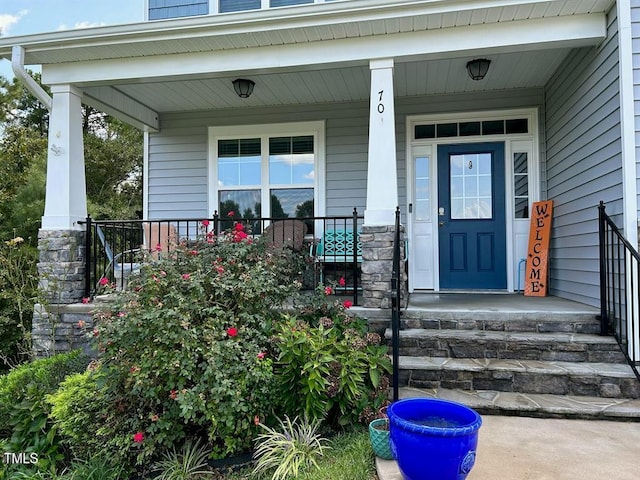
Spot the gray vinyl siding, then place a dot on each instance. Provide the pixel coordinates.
(161, 9)
(178, 169)
(583, 138)
(635, 34)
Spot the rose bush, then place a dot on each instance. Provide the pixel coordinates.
(183, 353)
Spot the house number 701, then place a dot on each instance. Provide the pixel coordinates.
(380, 104)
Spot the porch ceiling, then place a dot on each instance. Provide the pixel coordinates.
(349, 83)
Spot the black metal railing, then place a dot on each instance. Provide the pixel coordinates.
(619, 289)
(396, 292)
(331, 245)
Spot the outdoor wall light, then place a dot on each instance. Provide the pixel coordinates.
(478, 68)
(243, 87)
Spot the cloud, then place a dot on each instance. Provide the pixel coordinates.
(78, 25)
(7, 21)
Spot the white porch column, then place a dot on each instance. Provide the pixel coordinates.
(382, 182)
(65, 198)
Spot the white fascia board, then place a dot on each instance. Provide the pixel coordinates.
(115, 103)
(576, 30)
(298, 16)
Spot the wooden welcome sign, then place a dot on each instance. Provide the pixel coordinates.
(536, 273)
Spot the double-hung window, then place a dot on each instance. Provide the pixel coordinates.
(267, 171)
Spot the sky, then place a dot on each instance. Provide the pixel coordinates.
(24, 17)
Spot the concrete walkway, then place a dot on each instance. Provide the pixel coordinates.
(519, 448)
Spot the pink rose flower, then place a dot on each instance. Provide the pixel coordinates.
(138, 437)
(232, 331)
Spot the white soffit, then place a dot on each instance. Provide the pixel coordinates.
(283, 26)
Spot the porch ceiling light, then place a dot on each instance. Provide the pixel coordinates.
(243, 87)
(478, 68)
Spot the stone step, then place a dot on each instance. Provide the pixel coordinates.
(516, 321)
(535, 405)
(562, 347)
(609, 380)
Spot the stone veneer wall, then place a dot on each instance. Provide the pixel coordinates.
(377, 266)
(62, 328)
(62, 265)
(61, 270)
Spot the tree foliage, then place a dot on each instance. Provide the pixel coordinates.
(113, 162)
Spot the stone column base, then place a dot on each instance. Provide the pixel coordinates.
(62, 265)
(377, 266)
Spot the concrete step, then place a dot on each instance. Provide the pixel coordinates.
(562, 347)
(609, 380)
(535, 405)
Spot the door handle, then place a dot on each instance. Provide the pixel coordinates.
(441, 224)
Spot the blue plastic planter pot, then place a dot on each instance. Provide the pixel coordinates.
(433, 439)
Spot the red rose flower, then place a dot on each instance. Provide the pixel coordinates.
(138, 437)
(231, 213)
(232, 331)
(104, 281)
(347, 304)
(205, 223)
(328, 290)
(342, 282)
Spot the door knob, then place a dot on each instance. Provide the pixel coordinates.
(441, 224)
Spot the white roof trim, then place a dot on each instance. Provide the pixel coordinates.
(297, 17)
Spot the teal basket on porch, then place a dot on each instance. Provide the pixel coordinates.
(380, 439)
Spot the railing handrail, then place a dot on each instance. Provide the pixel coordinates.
(125, 236)
(618, 233)
(619, 280)
(396, 279)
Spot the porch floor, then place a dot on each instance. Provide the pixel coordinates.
(495, 302)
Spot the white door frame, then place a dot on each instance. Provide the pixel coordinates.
(517, 230)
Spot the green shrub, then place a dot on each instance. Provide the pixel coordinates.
(329, 366)
(185, 352)
(75, 408)
(24, 412)
(18, 290)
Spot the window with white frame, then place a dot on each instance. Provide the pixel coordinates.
(268, 175)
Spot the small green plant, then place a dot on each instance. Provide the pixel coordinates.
(95, 468)
(289, 449)
(329, 366)
(190, 462)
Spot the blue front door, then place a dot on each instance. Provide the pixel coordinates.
(471, 216)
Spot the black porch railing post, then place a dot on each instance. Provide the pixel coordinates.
(216, 223)
(604, 320)
(88, 261)
(355, 256)
(395, 307)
